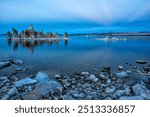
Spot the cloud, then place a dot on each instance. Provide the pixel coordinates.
(105, 12)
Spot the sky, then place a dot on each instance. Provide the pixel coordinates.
(107, 14)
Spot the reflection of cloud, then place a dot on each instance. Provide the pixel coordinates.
(105, 12)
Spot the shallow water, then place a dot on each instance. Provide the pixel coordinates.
(78, 53)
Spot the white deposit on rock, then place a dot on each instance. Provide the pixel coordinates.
(41, 77)
(26, 81)
(122, 75)
(3, 80)
(120, 67)
(57, 76)
(103, 76)
(85, 73)
(17, 62)
(13, 91)
(43, 87)
(4, 64)
(110, 89)
(124, 92)
(92, 78)
(138, 89)
(141, 61)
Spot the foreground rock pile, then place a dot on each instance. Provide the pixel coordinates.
(130, 83)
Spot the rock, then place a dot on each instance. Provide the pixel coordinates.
(106, 69)
(13, 91)
(17, 62)
(146, 69)
(108, 81)
(138, 89)
(129, 72)
(41, 77)
(144, 78)
(18, 69)
(57, 76)
(26, 81)
(3, 80)
(30, 88)
(120, 67)
(92, 78)
(85, 73)
(4, 64)
(131, 98)
(108, 98)
(141, 62)
(110, 89)
(146, 95)
(122, 75)
(44, 84)
(119, 93)
(46, 88)
(124, 92)
(103, 77)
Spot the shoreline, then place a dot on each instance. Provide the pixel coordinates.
(107, 33)
(26, 84)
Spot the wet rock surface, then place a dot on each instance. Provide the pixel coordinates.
(21, 83)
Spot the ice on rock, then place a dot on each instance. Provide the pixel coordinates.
(93, 78)
(26, 81)
(120, 67)
(122, 75)
(4, 64)
(13, 91)
(110, 89)
(85, 73)
(41, 77)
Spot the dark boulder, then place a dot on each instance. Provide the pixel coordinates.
(141, 62)
(106, 69)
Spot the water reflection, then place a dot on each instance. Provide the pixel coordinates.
(9, 41)
(31, 44)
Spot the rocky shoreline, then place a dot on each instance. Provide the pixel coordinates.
(24, 84)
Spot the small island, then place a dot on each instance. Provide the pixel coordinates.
(30, 33)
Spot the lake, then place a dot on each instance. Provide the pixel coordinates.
(78, 53)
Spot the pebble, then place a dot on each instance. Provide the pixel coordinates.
(141, 62)
(57, 76)
(120, 67)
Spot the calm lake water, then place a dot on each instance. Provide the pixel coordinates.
(78, 53)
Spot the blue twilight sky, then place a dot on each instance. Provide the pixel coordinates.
(98, 15)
